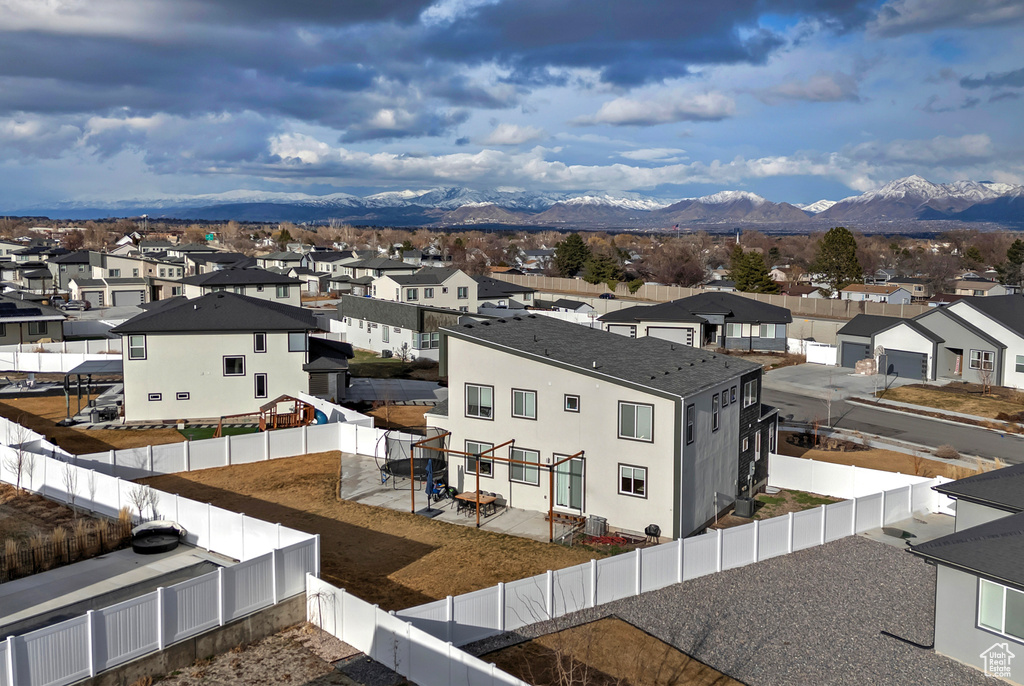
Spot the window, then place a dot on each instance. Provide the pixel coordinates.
(714, 412)
(240, 290)
(411, 294)
(137, 347)
(480, 401)
(155, 397)
(175, 290)
(767, 331)
(360, 323)
(462, 292)
(184, 395)
(985, 360)
(282, 291)
(234, 365)
(428, 292)
(977, 292)
(385, 334)
(114, 273)
(524, 474)
(135, 272)
(163, 272)
(636, 421)
(1000, 609)
(572, 403)
(296, 341)
(486, 465)
(1020, 364)
(691, 411)
(750, 393)
(757, 446)
(732, 395)
(259, 342)
(732, 330)
(725, 398)
(746, 444)
(633, 480)
(260, 381)
(524, 404)
(37, 328)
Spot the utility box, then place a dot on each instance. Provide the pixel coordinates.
(596, 526)
(744, 507)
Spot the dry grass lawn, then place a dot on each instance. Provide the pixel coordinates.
(395, 559)
(605, 653)
(875, 458)
(41, 414)
(23, 515)
(977, 405)
(399, 416)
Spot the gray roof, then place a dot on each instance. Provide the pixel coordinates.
(650, 363)
(17, 308)
(238, 277)
(960, 321)
(496, 288)
(111, 366)
(567, 304)
(110, 281)
(385, 263)
(425, 276)
(330, 256)
(1008, 310)
(867, 325)
(994, 550)
(328, 356)
(77, 257)
(916, 326)
(284, 256)
(403, 315)
(220, 311)
(1000, 488)
(735, 309)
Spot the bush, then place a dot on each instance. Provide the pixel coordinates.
(947, 452)
(635, 285)
(1004, 417)
(422, 363)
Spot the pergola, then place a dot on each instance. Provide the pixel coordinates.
(88, 369)
(490, 456)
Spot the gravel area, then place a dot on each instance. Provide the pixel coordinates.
(812, 617)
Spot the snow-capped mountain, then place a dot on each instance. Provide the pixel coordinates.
(816, 207)
(915, 197)
(725, 197)
(627, 203)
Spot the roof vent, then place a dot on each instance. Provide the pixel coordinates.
(595, 364)
(545, 351)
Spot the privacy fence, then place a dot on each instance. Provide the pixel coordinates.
(273, 564)
(509, 606)
(807, 307)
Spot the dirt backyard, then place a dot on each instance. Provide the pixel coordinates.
(608, 652)
(23, 515)
(41, 414)
(395, 559)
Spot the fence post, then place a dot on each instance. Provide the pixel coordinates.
(9, 667)
(227, 450)
(720, 552)
(853, 516)
(113, 461)
(209, 526)
(789, 535)
(549, 592)
(449, 616)
(160, 623)
(757, 541)
(593, 582)
(824, 512)
(220, 596)
(881, 517)
(266, 445)
(149, 458)
(639, 573)
(242, 558)
(90, 625)
(316, 552)
(187, 453)
(304, 438)
(679, 569)
(117, 483)
(910, 499)
(501, 605)
(273, 573)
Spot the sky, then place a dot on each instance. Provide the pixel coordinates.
(795, 100)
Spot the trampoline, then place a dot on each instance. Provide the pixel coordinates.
(401, 462)
(401, 468)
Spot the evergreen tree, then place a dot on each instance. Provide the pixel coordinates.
(570, 255)
(738, 268)
(758, 280)
(973, 256)
(601, 268)
(836, 261)
(1012, 271)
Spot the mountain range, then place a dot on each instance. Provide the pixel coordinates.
(909, 199)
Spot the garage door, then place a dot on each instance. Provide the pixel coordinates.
(670, 333)
(906, 365)
(94, 298)
(122, 298)
(853, 353)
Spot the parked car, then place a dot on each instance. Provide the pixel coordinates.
(607, 296)
(76, 305)
(56, 301)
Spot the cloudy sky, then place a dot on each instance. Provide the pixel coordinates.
(793, 99)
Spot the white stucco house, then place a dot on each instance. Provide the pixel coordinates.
(882, 293)
(216, 355)
(452, 289)
(399, 328)
(670, 435)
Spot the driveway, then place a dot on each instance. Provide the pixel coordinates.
(821, 381)
(401, 391)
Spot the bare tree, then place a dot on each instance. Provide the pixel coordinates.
(141, 496)
(69, 477)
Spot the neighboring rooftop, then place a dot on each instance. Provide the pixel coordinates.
(1008, 310)
(696, 308)
(880, 289)
(867, 325)
(993, 550)
(238, 277)
(496, 288)
(220, 311)
(1000, 488)
(425, 276)
(652, 363)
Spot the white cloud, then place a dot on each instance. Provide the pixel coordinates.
(821, 87)
(941, 150)
(664, 108)
(899, 17)
(654, 154)
(513, 134)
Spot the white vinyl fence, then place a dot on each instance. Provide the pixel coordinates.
(509, 606)
(107, 346)
(395, 642)
(48, 362)
(274, 561)
(839, 480)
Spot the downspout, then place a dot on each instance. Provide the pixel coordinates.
(677, 467)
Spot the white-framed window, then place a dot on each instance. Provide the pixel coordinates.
(984, 360)
(636, 421)
(37, 328)
(115, 273)
(691, 412)
(572, 403)
(260, 383)
(296, 341)
(480, 401)
(725, 398)
(714, 413)
(746, 444)
(733, 330)
(757, 446)
(486, 464)
(282, 290)
(1000, 609)
(136, 347)
(750, 393)
(385, 334)
(155, 397)
(633, 480)
(732, 395)
(182, 395)
(462, 292)
(411, 294)
(428, 293)
(259, 342)
(1020, 364)
(522, 473)
(524, 404)
(767, 331)
(234, 365)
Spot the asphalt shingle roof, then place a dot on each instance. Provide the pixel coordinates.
(1002, 488)
(668, 367)
(496, 288)
(867, 325)
(426, 276)
(77, 257)
(735, 308)
(221, 311)
(994, 549)
(1008, 310)
(238, 277)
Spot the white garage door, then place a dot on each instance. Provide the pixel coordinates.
(122, 298)
(671, 333)
(622, 330)
(94, 298)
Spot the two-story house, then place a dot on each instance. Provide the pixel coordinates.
(663, 433)
(22, 321)
(216, 355)
(256, 283)
(73, 265)
(882, 293)
(403, 329)
(452, 289)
